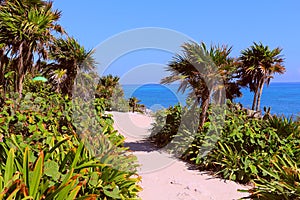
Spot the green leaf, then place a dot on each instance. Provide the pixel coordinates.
(36, 176)
(74, 193)
(51, 169)
(26, 167)
(9, 167)
(94, 179)
(77, 155)
(64, 193)
(112, 193)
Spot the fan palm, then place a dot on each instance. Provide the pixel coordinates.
(70, 56)
(259, 64)
(26, 30)
(195, 70)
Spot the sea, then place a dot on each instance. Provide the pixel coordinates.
(282, 98)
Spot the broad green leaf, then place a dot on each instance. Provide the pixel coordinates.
(51, 169)
(113, 193)
(36, 176)
(9, 167)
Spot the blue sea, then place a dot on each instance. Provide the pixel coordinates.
(283, 98)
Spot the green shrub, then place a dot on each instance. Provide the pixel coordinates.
(245, 145)
(285, 183)
(166, 125)
(92, 164)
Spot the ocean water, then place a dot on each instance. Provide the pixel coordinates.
(283, 98)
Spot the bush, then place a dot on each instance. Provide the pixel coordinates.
(264, 151)
(166, 125)
(40, 140)
(285, 180)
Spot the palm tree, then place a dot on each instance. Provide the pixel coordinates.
(109, 88)
(106, 87)
(259, 64)
(58, 77)
(68, 55)
(227, 67)
(133, 103)
(196, 70)
(26, 30)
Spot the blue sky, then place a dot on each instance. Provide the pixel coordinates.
(236, 23)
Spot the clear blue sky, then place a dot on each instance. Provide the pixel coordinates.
(237, 23)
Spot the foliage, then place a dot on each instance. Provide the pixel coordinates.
(166, 125)
(26, 29)
(264, 151)
(203, 71)
(285, 174)
(39, 134)
(258, 65)
(69, 58)
(110, 89)
(133, 103)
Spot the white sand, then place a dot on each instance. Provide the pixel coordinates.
(165, 177)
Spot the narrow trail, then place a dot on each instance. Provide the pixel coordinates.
(165, 177)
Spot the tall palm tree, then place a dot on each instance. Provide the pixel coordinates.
(196, 70)
(259, 64)
(26, 29)
(228, 68)
(70, 56)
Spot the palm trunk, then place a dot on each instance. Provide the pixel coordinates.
(255, 99)
(20, 85)
(204, 108)
(19, 72)
(261, 86)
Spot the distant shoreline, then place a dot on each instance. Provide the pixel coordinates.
(282, 97)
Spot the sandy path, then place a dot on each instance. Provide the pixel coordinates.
(164, 177)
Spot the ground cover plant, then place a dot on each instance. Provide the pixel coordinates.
(261, 151)
(42, 156)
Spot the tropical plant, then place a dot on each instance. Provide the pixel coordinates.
(285, 183)
(259, 64)
(228, 69)
(196, 70)
(69, 58)
(133, 103)
(25, 34)
(95, 166)
(203, 71)
(106, 86)
(110, 89)
(166, 125)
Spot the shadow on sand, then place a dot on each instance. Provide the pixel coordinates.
(142, 145)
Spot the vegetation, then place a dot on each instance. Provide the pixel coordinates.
(43, 142)
(203, 71)
(135, 106)
(262, 150)
(26, 31)
(68, 59)
(56, 142)
(246, 146)
(110, 89)
(259, 63)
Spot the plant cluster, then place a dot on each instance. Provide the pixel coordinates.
(263, 151)
(46, 154)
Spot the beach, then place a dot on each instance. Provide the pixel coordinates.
(165, 177)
